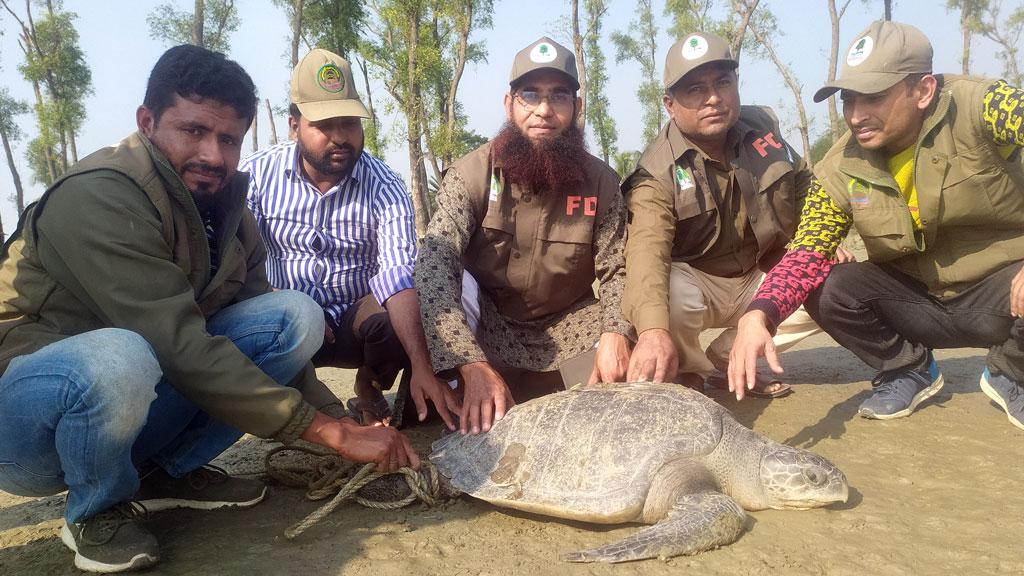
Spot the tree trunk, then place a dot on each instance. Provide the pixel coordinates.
(413, 114)
(74, 147)
(375, 144)
(51, 167)
(297, 8)
(833, 60)
(197, 23)
(453, 89)
(745, 8)
(791, 82)
(19, 192)
(888, 10)
(273, 127)
(254, 129)
(581, 65)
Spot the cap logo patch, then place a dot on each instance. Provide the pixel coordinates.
(694, 47)
(860, 51)
(330, 78)
(543, 53)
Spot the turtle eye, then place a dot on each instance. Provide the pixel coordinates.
(814, 477)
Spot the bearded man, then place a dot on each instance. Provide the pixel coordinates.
(524, 226)
(338, 225)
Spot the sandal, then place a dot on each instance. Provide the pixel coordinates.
(762, 385)
(378, 410)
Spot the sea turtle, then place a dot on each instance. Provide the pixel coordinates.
(657, 454)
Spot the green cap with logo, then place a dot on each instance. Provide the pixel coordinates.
(882, 55)
(695, 50)
(322, 87)
(545, 54)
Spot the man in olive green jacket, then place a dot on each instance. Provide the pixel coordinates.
(139, 337)
(930, 175)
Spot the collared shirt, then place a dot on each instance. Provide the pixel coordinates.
(356, 238)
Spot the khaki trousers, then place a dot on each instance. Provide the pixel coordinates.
(699, 301)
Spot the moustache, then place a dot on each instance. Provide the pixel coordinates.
(206, 169)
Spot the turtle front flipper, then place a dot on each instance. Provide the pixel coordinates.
(696, 522)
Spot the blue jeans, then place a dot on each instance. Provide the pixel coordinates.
(81, 414)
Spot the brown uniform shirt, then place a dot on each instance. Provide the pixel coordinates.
(679, 213)
(535, 256)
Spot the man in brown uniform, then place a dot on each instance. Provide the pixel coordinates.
(715, 196)
(529, 221)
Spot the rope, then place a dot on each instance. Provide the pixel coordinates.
(332, 475)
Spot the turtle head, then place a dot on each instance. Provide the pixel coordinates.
(795, 478)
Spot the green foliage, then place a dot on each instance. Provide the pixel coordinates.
(822, 143)
(173, 26)
(641, 49)
(598, 116)
(55, 62)
(690, 16)
(625, 162)
(10, 109)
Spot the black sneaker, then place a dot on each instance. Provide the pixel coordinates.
(206, 488)
(112, 541)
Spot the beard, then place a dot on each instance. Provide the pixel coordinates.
(550, 166)
(327, 166)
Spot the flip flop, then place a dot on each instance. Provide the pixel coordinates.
(378, 408)
(719, 380)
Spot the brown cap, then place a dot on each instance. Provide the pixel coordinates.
(322, 87)
(882, 55)
(693, 51)
(545, 54)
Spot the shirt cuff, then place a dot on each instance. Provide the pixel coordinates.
(651, 317)
(391, 281)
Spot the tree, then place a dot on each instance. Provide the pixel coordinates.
(55, 66)
(596, 79)
(642, 49)
(420, 49)
(970, 21)
(1004, 31)
(835, 15)
(335, 25)
(208, 25)
(689, 16)
(10, 108)
(763, 27)
(625, 162)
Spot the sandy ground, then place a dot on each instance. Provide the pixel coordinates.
(936, 493)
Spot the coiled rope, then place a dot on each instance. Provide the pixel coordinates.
(331, 475)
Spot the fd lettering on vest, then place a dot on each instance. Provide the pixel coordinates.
(574, 203)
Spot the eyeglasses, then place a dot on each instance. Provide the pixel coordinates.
(531, 99)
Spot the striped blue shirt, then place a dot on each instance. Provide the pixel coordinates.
(336, 247)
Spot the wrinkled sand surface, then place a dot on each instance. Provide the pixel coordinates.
(939, 492)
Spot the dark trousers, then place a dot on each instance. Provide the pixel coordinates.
(365, 339)
(890, 321)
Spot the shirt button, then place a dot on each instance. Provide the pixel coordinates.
(935, 160)
(516, 255)
(527, 199)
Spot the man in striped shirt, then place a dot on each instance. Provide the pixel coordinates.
(338, 226)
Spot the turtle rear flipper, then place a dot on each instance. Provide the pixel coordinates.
(696, 522)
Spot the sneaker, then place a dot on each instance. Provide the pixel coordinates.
(112, 541)
(206, 488)
(1007, 393)
(897, 394)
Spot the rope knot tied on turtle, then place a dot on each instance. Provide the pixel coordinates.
(331, 475)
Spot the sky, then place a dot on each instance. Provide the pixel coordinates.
(117, 46)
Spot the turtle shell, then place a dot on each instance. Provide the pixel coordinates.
(588, 453)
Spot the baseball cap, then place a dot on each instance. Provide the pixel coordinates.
(695, 50)
(545, 54)
(882, 55)
(322, 87)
